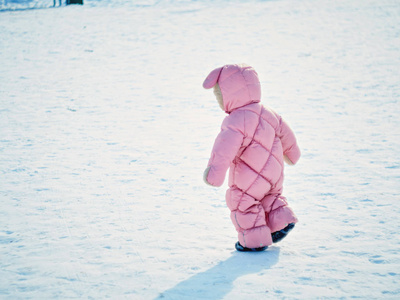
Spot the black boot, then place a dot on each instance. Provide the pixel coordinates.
(245, 249)
(278, 236)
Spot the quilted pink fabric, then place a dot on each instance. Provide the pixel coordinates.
(252, 144)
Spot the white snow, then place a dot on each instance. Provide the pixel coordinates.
(105, 131)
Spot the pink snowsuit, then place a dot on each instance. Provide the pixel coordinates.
(252, 143)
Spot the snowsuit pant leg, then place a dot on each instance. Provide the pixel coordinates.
(277, 212)
(249, 218)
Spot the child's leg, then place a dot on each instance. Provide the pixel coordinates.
(278, 214)
(248, 217)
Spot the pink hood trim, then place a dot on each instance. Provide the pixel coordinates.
(239, 85)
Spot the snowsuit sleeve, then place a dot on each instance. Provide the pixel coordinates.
(289, 143)
(225, 149)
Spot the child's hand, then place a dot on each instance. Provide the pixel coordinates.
(287, 160)
(205, 174)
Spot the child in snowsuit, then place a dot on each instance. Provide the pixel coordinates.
(253, 143)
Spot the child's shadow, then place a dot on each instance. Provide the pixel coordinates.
(216, 282)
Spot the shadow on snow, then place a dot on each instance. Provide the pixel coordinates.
(216, 282)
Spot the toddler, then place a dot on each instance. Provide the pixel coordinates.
(253, 143)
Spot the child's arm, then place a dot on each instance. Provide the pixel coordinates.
(291, 150)
(226, 147)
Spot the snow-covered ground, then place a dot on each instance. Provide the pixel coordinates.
(105, 131)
